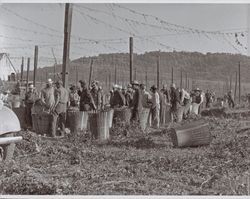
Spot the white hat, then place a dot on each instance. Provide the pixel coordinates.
(49, 81)
(31, 86)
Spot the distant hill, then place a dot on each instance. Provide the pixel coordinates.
(211, 70)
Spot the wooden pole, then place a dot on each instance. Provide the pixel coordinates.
(172, 76)
(158, 71)
(90, 71)
(135, 74)
(131, 58)
(186, 87)
(66, 47)
(76, 70)
(115, 75)
(181, 79)
(22, 71)
(35, 65)
(230, 84)
(146, 78)
(28, 70)
(235, 91)
(109, 80)
(239, 84)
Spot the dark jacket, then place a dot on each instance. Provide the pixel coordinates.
(86, 99)
(118, 100)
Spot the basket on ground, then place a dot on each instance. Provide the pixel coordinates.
(20, 113)
(122, 115)
(144, 115)
(195, 134)
(41, 123)
(99, 125)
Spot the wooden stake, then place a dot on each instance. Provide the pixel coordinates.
(172, 76)
(22, 65)
(158, 71)
(66, 47)
(131, 58)
(181, 79)
(186, 87)
(35, 65)
(235, 91)
(239, 84)
(90, 71)
(28, 70)
(115, 75)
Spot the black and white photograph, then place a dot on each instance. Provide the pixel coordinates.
(124, 99)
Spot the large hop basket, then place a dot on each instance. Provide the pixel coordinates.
(41, 123)
(20, 113)
(77, 120)
(144, 118)
(16, 101)
(122, 115)
(99, 123)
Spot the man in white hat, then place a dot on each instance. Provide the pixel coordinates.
(30, 97)
(137, 102)
(47, 95)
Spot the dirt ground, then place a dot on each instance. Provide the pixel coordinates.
(132, 164)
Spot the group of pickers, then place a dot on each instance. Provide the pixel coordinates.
(164, 104)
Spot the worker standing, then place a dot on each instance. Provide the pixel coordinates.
(96, 95)
(137, 102)
(60, 108)
(129, 95)
(231, 103)
(164, 105)
(118, 100)
(86, 99)
(30, 97)
(155, 108)
(175, 102)
(47, 96)
(186, 102)
(74, 98)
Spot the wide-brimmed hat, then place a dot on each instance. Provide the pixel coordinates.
(135, 82)
(59, 82)
(129, 86)
(115, 86)
(172, 85)
(31, 86)
(197, 89)
(49, 81)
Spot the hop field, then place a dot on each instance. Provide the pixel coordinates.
(131, 163)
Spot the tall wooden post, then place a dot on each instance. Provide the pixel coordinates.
(181, 79)
(235, 91)
(131, 58)
(35, 65)
(158, 71)
(76, 70)
(22, 65)
(146, 78)
(109, 80)
(172, 76)
(28, 70)
(135, 74)
(115, 75)
(230, 83)
(186, 81)
(90, 71)
(239, 84)
(66, 47)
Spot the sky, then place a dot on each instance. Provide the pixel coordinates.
(106, 28)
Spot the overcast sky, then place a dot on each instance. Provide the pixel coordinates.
(105, 28)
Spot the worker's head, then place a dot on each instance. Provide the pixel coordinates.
(135, 84)
(49, 83)
(153, 89)
(115, 87)
(73, 89)
(31, 87)
(173, 86)
(59, 83)
(165, 86)
(143, 87)
(83, 84)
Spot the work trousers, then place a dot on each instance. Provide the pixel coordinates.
(58, 119)
(156, 117)
(28, 116)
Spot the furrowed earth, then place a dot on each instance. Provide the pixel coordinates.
(131, 163)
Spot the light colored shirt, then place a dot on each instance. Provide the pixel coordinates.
(184, 95)
(48, 97)
(155, 100)
(146, 97)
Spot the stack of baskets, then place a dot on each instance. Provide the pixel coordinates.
(144, 118)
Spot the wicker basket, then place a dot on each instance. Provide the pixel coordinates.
(84, 115)
(122, 115)
(99, 125)
(195, 134)
(144, 115)
(20, 113)
(16, 102)
(180, 113)
(110, 117)
(74, 120)
(41, 123)
(195, 108)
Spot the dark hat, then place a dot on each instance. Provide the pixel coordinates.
(59, 82)
(73, 88)
(153, 87)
